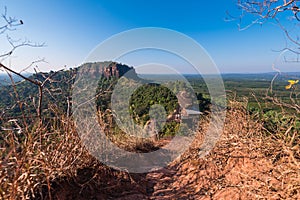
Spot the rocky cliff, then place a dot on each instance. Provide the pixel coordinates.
(106, 69)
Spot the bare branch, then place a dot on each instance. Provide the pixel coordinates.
(10, 23)
(33, 63)
(15, 44)
(18, 74)
(35, 82)
(277, 11)
(263, 11)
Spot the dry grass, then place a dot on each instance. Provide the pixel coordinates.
(47, 161)
(32, 160)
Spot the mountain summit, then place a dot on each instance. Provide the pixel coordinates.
(105, 69)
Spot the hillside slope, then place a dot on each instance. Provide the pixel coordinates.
(57, 90)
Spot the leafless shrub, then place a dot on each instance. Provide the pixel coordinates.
(279, 12)
(285, 14)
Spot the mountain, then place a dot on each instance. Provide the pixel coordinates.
(106, 70)
(57, 90)
(23, 101)
(5, 79)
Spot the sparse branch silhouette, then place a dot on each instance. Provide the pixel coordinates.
(285, 14)
(11, 24)
(277, 11)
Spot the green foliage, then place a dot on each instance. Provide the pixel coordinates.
(170, 128)
(148, 95)
(24, 96)
(203, 102)
(279, 122)
(104, 90)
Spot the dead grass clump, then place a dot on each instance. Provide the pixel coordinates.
(45, 153)
(50, 162)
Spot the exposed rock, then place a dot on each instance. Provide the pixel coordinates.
(107, 70)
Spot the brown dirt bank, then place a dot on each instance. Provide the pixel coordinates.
(245, 164)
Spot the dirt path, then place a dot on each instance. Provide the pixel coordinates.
(243, 165)
(235, 172)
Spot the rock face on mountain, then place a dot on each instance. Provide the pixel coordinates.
(106, 69)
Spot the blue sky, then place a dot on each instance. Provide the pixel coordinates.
(72, 29)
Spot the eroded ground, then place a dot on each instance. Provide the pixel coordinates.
(245, 164)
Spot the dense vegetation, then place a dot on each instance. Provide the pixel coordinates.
(21, 98)
(144, 100)
(148, 95)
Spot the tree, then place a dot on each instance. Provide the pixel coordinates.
(286, 14)
(10, 24)
(278, 11)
